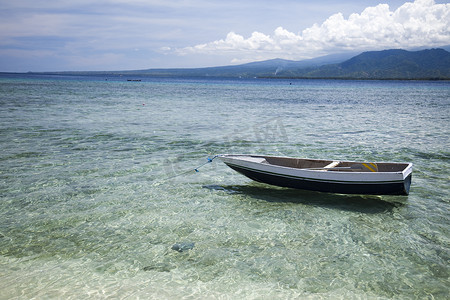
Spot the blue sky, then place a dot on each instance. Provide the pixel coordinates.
(67, 35)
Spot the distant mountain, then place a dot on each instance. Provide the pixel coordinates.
(267, 68)
(431, 64)
(387, 64)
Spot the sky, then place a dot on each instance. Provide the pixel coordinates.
(106, 35)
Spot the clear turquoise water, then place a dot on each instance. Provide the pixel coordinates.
(97, 185)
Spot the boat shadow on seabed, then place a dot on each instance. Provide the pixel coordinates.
(368, 204)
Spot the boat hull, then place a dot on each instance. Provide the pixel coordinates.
(373, 184)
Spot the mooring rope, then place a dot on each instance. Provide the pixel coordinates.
(209, 160)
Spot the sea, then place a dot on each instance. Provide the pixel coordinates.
(100, 198)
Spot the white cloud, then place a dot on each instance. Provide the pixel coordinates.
(414, 24)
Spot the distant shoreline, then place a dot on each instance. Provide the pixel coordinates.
(361, 78)
(134, 76)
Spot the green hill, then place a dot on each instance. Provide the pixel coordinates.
(431, 64)
(387, 64)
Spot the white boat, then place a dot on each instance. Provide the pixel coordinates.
(344, 177)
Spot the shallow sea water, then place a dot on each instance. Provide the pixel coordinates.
(97, 184)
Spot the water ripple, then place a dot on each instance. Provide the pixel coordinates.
(96, 189)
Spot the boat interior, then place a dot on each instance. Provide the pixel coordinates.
(329, 165)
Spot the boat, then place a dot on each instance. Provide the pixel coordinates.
(332, 176)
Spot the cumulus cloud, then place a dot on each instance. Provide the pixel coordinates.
(414, 24)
